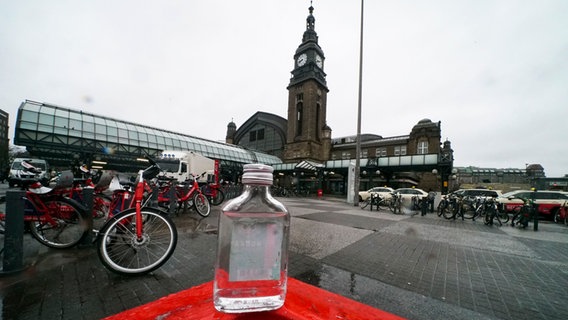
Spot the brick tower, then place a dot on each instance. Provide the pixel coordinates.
(308, 136)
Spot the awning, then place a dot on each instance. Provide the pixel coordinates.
(309, 165)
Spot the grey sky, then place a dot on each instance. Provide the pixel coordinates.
(494, 72)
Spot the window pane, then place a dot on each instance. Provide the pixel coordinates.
(29, 116)
(61, 122)
(45, 119)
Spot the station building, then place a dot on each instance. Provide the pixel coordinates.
(67, 137)
(4, 143)
(312, 158)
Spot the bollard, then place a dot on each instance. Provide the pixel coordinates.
(173, 201)
(371, 202)
(88, 193)
(424, 206)
(534, 211)
(154, 197)
(14, 233)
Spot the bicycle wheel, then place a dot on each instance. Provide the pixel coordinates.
(468, 213)
(503, 216)
(201, 204)
(440, 209)
(516, 216)
(121, 251)
(68, 227)
(391, 206)
(363, 204)
(101, 209)
(218, 198)
(488, 218)
(449, 213)
(398, 206)
(383, 203)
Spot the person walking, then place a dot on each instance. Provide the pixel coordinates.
(431, 198)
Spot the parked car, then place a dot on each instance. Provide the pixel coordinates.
(18, 174)
(384, 192)
(484, 193)
(408, 193)
(549, 202)
(408, 197)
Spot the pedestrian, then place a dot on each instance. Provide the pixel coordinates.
(431, 198)
(424, 205)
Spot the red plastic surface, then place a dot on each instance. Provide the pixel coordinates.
(303, 301)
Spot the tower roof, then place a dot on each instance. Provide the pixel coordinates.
(312, 67)
(310, 33)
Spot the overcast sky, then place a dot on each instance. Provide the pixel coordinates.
(494, 72)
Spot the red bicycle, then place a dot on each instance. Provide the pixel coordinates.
(186, 194)
(101, 201)
(212, 190)
(138, 239)
(214, 193)
(53, 219)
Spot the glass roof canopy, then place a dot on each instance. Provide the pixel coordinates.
(39, 124)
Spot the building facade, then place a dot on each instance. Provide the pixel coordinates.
(263, 131)
(4, 143)
(65, 137)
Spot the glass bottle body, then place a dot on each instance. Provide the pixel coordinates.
(252, 254)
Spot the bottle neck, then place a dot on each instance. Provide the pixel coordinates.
(257, 189)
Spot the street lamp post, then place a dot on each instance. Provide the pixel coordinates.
(358, 143)
(445, 174)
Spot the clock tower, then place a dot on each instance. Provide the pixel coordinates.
(308, 136)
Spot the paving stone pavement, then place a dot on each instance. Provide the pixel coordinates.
(416, 267)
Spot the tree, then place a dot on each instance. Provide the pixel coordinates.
(17, 152)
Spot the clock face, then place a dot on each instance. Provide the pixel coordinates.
(319, 61)
(302, 59)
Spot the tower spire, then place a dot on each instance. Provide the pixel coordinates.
(310, 33)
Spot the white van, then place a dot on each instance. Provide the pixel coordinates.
(17, 173)
(183, 165)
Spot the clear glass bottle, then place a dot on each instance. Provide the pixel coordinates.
(251, 271)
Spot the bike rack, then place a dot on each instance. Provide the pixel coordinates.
(88, 196)
(371, 203)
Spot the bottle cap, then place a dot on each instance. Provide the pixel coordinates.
(256, 173)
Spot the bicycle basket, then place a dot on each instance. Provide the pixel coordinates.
(65, 179)
(104, 181)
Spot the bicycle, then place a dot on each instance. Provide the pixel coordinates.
(376, 200)
(214, 193)
(187, 197)
(469, 205)
(443, 205)
(491, 212)
(454, 208)
(561, 213)
(139, 239)
(54, 220)
(524, 214)
(101, 201)
(395, 204)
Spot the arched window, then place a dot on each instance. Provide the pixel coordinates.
(317, 124)
(422, 147)
(300, 116)
(299, 113)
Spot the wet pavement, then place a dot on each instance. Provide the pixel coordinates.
(413, 266)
